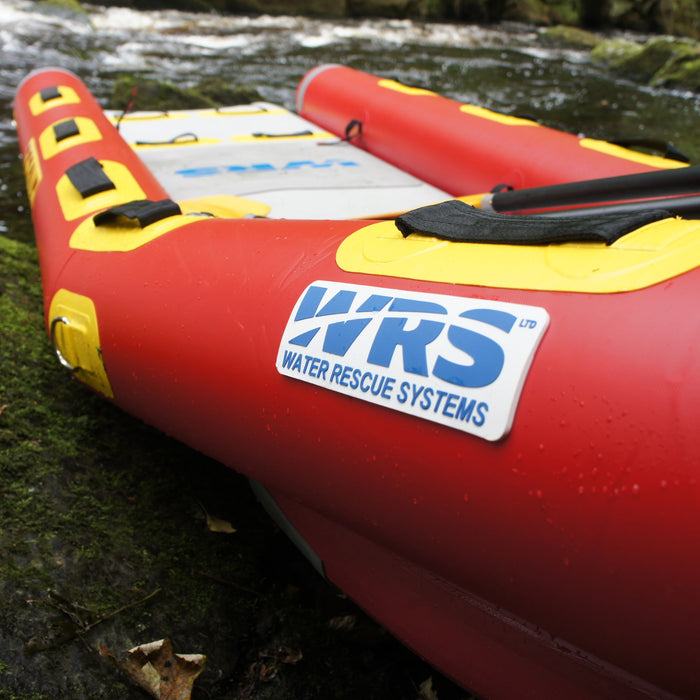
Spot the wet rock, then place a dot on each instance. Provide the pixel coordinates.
(71, 9)
(541, 12)
(681, 70)
(660, 61)
(570, 36)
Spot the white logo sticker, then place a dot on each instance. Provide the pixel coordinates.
(457, 361)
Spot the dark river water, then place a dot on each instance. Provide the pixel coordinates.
(510, 68)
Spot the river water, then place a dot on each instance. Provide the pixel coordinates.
(509, 68)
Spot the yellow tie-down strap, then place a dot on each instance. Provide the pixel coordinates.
(76, 339)
(74, 205)
(651, 254)
(122, 235)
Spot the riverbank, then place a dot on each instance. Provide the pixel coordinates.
(677, 17)
(113, 536)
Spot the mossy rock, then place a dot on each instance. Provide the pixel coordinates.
(157, 95)
(615, 52)
(566, 35)
(661, 61)
(71, 9)
(681, 70)
(68, 5)
(540, 12)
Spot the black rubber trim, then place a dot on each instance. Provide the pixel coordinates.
(89, 178)
(143, 211)
(457, 221)
(66, 129)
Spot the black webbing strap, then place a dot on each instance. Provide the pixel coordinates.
(65, 129)
(49, 93)
(88, 177)
(261, 135)
(143, 211)
(188, 137)
(457, 221)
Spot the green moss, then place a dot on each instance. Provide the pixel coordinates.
(615, 52)
(147, 94)
(62, 6)
(568, 35)
(98, 511)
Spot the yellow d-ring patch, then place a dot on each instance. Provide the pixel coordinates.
(73, 206)
(32, 169)
(88, 133)
(77, 338)
(123, 238)
(651, 254)
(68, 96)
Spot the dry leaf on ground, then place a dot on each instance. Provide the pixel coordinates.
(217, 524)
(426, 690)
(158, 670)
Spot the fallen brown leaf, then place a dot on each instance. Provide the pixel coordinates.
(158, 670)
(426, 690)
(287, 655)
(217, 524)
(344, 622)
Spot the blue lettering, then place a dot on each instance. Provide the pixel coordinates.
(427, 399)
(322, 370)
(487, 355)
(296, 367)
(391, 334)
(297, 164)
(450, 403)
(339, 303)
(264, 167)
(341, 335)
(198, 172)
(377, 386)
(441, 395)
(403, 392)
(365, 385)
(465, 409)
(481, 410)
(417, 390)
(288, 359)
(498, 319)
(335, 374)
(313, 370)
(355, 381)
(309, 304)
(345, 377)
(388, 387)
